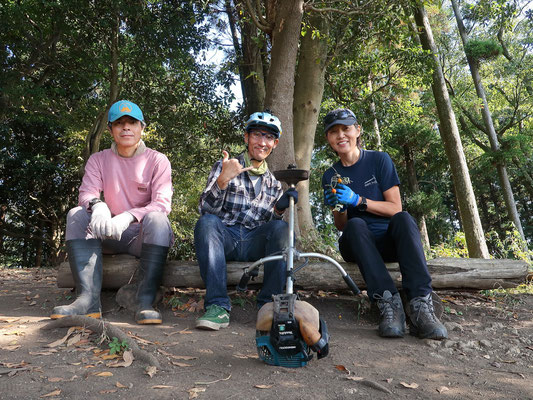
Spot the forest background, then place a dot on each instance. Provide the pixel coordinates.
(445, 87)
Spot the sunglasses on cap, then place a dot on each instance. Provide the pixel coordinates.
(335, 115)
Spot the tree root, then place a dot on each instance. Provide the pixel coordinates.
(101, 327)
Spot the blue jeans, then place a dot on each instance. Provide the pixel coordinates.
(400, 243)
(217, 243)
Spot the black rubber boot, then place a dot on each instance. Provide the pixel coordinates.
(85, 259)
(153, 259)
(392, 322)
(423, 321)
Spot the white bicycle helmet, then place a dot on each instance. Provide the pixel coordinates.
(264, 120)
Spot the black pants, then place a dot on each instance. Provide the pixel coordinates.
(401, 243)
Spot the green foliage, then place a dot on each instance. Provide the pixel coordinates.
(118, 347)
(509, 246)
(456, 247)
(483, 49)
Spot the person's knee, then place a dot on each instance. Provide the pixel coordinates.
(402, 219)
(156, 220)
(356, 225)
(206, 225)
(77, 214)
(279, 233)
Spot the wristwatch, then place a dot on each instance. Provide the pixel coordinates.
(92, 203)
(362, 205)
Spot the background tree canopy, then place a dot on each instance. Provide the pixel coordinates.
(65, 62)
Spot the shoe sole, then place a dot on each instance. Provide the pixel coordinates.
(433, 335)
(211, 326)
(96, 315)
(149, 321)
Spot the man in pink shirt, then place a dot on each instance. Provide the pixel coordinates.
(132, 218)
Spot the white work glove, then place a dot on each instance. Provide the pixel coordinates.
(120, 223)
(100, 224)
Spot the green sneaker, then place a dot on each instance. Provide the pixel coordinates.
(214, 318)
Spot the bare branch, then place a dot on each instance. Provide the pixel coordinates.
(264, 27)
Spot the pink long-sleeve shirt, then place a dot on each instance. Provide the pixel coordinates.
(139, 185)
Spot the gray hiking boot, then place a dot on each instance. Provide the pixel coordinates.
(423, 322)
(392, 322)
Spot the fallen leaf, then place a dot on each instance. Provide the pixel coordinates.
(105, 373)
(55, 379)
(442, 389)
(56, 392)
(185, 331)
(193, 392)
(209, 383)
(13, 347)
(166, 353)
(355, 378)
(128, 359)
(105, 391)
(409, 385)
(206, 351)
(140, 339)
(109, 356)
(150, 371)
(179, 364)
(262, 386)
(342, 368)
(74, 339)
(120, 385)
(42, 353)
(162, 387)
(63, 339)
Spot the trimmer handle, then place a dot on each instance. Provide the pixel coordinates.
(351, 284)
(245, 278)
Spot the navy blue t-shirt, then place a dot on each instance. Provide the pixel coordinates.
(370, 176)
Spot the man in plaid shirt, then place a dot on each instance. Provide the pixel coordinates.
(241, 210)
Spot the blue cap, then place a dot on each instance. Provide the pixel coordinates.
(124, 107)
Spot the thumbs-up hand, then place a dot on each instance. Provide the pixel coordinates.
(231, 167)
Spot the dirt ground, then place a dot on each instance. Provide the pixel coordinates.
(489, 354)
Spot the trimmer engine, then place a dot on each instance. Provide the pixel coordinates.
(293, 334)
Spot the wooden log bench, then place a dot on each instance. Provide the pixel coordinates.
(447, 273)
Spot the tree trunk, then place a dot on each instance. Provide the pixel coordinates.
(308, 91)
(446, 273)
(375, 121)
(280, 80)
(475, 240)
(250, 62)
(412, 183)
(92, 141)
(489, 126)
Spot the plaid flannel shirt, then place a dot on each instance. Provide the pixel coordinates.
(238, 203)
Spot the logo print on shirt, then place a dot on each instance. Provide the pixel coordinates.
(125, 107)
(371, 181)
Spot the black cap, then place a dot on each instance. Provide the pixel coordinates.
(341, 116)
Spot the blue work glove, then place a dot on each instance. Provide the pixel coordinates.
(283, 202)
(346, 196)
(331, 198)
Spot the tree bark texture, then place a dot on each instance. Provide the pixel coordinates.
(489, 128)
(280, 80)
(250, 61)
(412, 183)
(308, 91)
(475, 240)
(94, 136)
(447, 273)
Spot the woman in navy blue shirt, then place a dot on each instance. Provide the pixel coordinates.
(362, 189)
